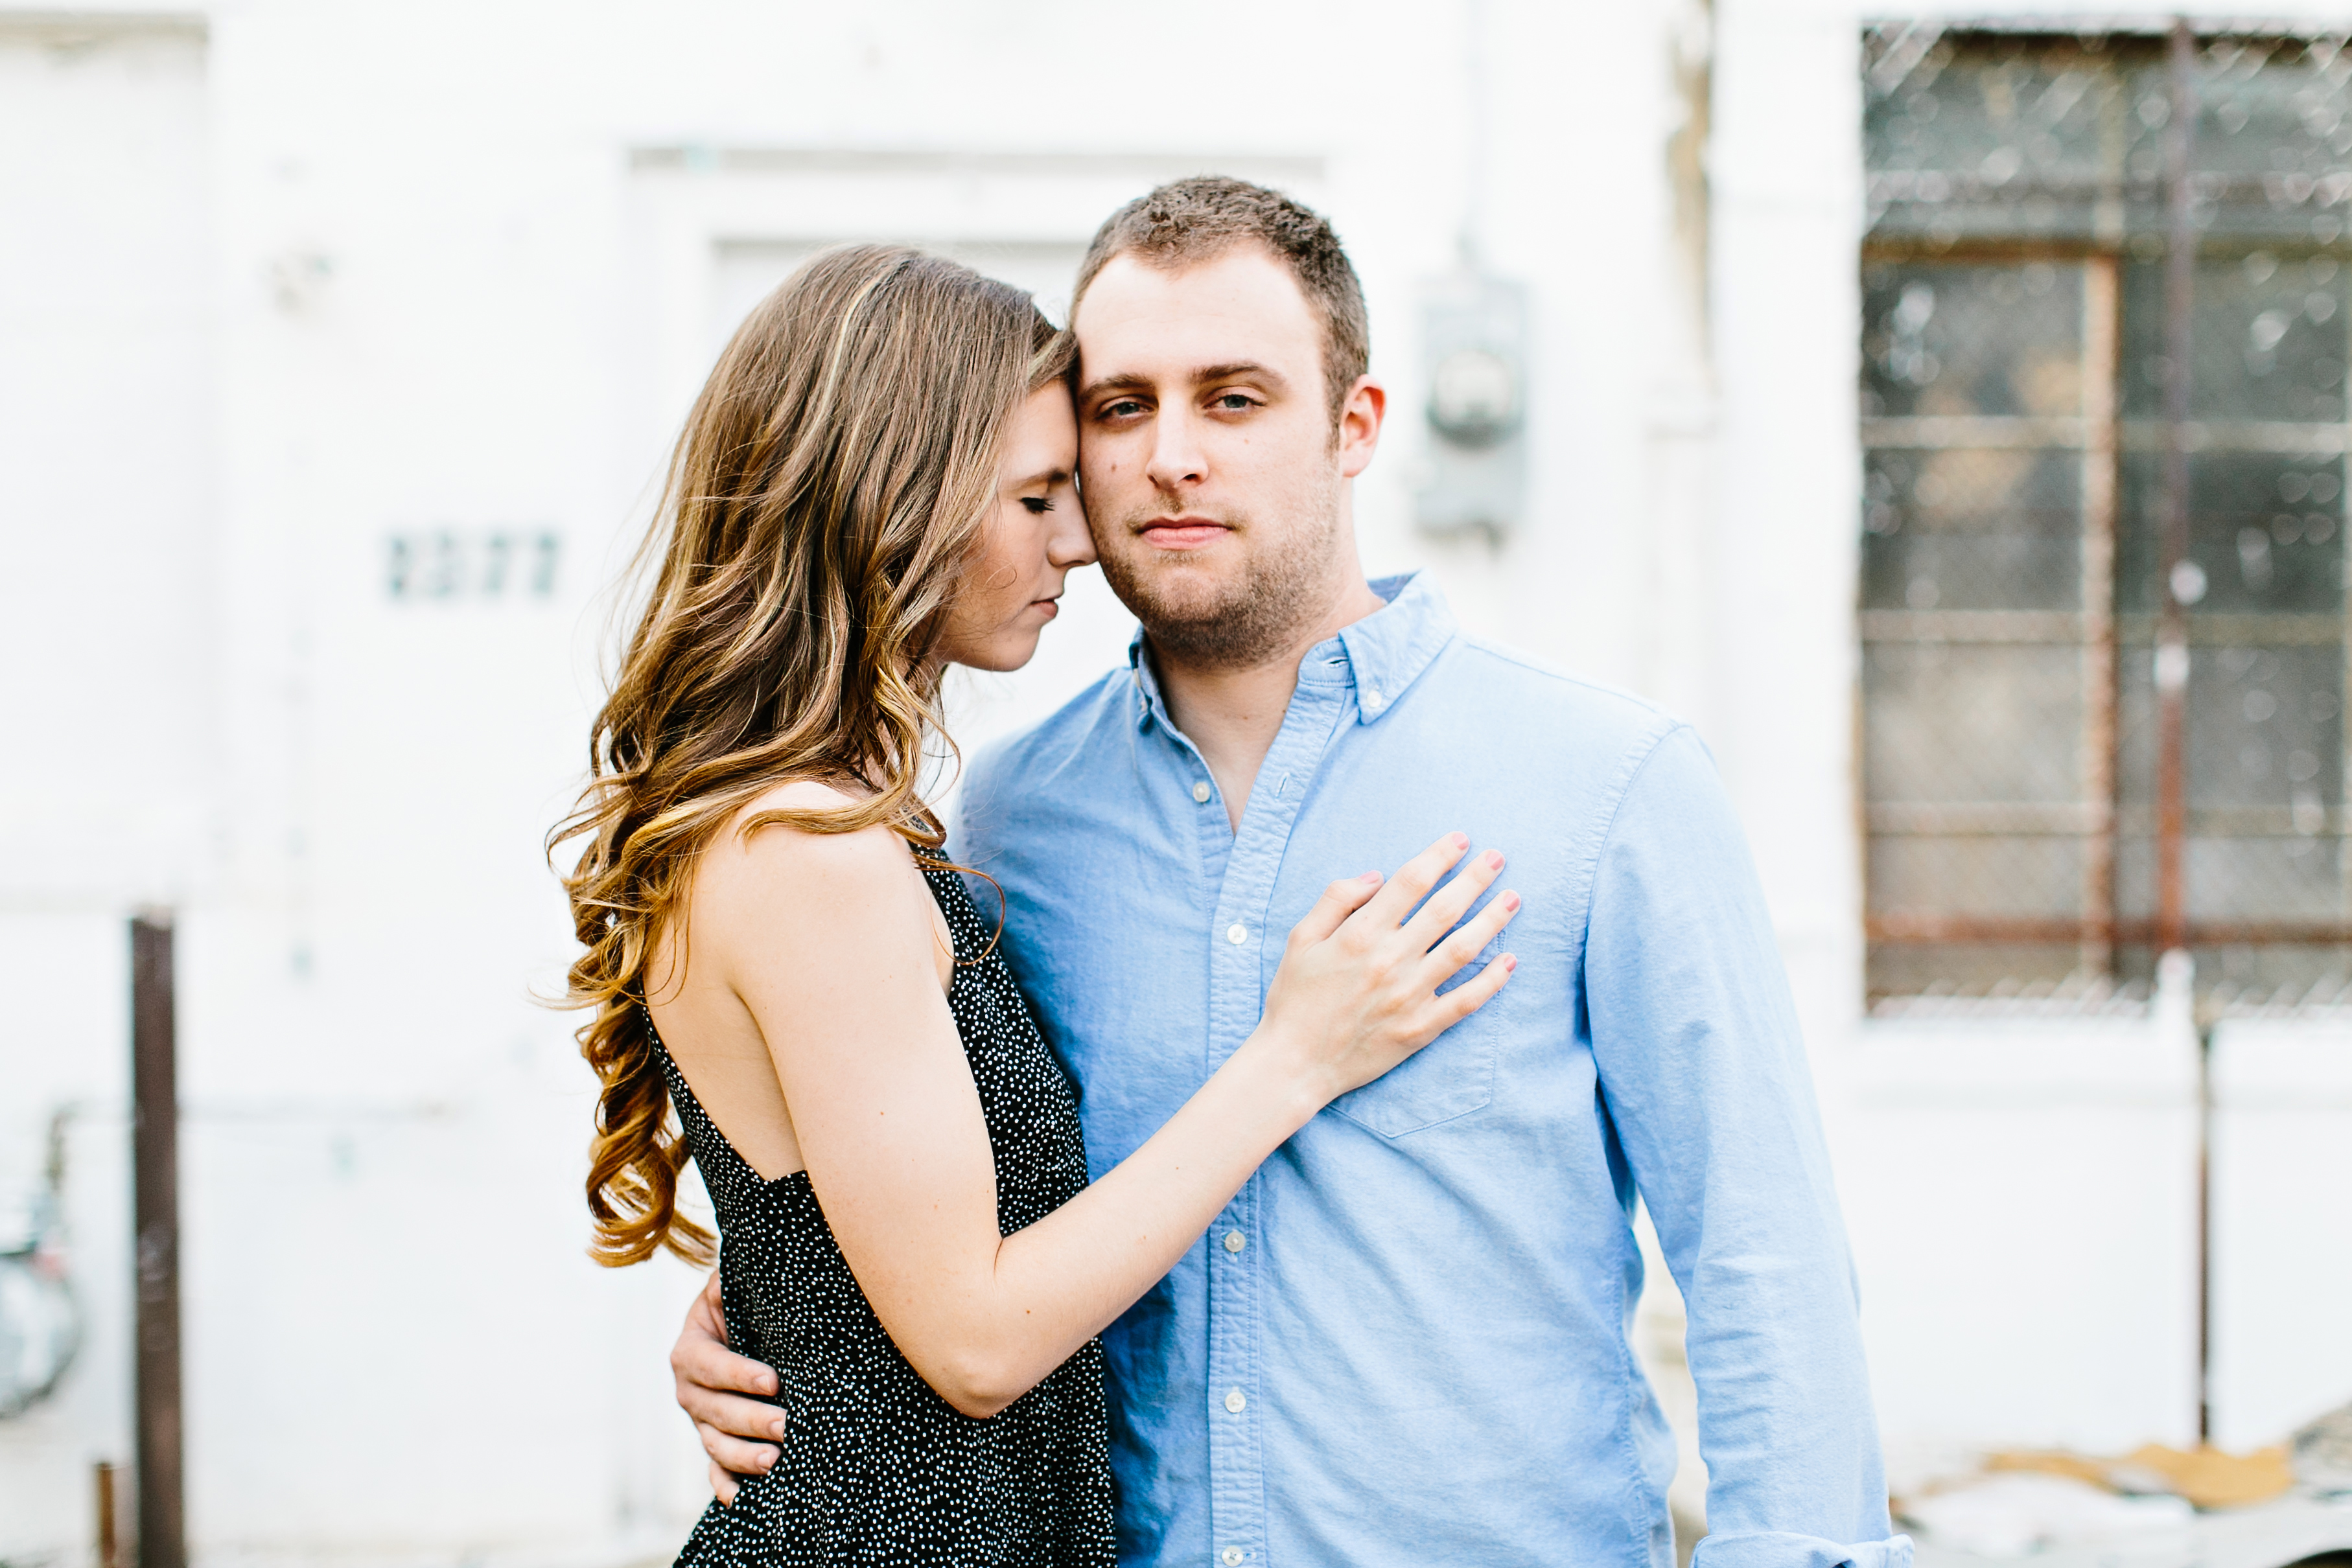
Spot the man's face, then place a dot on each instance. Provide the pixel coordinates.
(1213, 480)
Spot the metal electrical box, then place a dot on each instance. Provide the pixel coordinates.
(1474, 347)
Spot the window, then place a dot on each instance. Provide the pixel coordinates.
(2106, 326)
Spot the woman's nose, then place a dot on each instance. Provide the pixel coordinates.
(1073, 545)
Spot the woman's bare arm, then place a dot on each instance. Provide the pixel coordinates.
(827, 940)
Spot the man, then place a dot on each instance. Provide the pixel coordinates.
(1405, 1340)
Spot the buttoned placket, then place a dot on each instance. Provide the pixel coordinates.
(1240, 962)
(1243, 865)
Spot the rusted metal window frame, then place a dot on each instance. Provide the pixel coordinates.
(2100, 435)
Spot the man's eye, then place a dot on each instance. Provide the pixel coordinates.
(1038, 504)
(1236, 403)
(1122, 409)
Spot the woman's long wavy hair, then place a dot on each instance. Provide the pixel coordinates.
(831, 484)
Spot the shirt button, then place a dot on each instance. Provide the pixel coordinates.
(1238, 934)
(1235, 1241)
(1235, 1401)
(1372, 697)
(1200, 792)
(1233, 1555)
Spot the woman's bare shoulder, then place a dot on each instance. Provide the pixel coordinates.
(757, 860)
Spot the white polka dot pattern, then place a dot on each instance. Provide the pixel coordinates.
(877, 1467)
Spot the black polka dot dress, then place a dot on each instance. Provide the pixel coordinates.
(877, 1467)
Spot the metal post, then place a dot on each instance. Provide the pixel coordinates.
(156, 1162)
(2172, 651)
(2101, 296)
(2172, 635)
(110, 1547)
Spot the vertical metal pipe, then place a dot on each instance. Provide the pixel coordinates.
(2172, 657)
(155, 1174)
(2204, 1239)
(2340, 817)
(2100, 304)
(110, 1545)
(2172, 635)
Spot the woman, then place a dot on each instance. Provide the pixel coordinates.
(878, 481)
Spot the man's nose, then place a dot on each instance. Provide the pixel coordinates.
(1177, 459)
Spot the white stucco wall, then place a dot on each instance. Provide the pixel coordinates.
(2281, 1162)
(426, 268)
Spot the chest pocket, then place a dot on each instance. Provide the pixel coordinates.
(1451, 1076)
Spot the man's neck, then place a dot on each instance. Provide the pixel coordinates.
(1232, 713)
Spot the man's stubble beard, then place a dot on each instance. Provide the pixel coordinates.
(1255, 619)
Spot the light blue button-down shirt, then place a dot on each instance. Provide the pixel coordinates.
(1404, 1341)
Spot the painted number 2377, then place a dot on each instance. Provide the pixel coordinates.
(472, 563)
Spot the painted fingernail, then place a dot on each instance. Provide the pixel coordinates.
(1369, 876)
(1510, 900)
(768, 1461)
(1494, 861)
(777, 1431)
(1511, 962)
(1459, 840)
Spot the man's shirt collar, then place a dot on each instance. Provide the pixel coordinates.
(1388, 649)
(1380, 656)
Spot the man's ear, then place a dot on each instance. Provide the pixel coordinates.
(1359, 425)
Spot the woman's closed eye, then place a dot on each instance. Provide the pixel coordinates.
(1038, 504)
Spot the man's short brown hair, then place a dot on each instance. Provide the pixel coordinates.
(1187, 222)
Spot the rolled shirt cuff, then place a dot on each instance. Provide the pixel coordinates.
(1777, 1549)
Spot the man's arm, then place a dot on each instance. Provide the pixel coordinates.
(1703, 1069)
(738, 1433)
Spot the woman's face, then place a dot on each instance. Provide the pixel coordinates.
(1037, 533)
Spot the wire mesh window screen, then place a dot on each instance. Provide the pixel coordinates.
(2107, 321)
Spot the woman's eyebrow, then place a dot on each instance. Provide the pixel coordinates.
(1046, 477)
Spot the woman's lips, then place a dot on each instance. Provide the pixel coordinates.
(1183, 533)
(1046, 606)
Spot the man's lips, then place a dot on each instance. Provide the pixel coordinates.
(1183, 533)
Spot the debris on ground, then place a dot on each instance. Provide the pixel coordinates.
(2155, 1499)
(2204, 1477)
(2323, 1453)
(2013, 1512)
